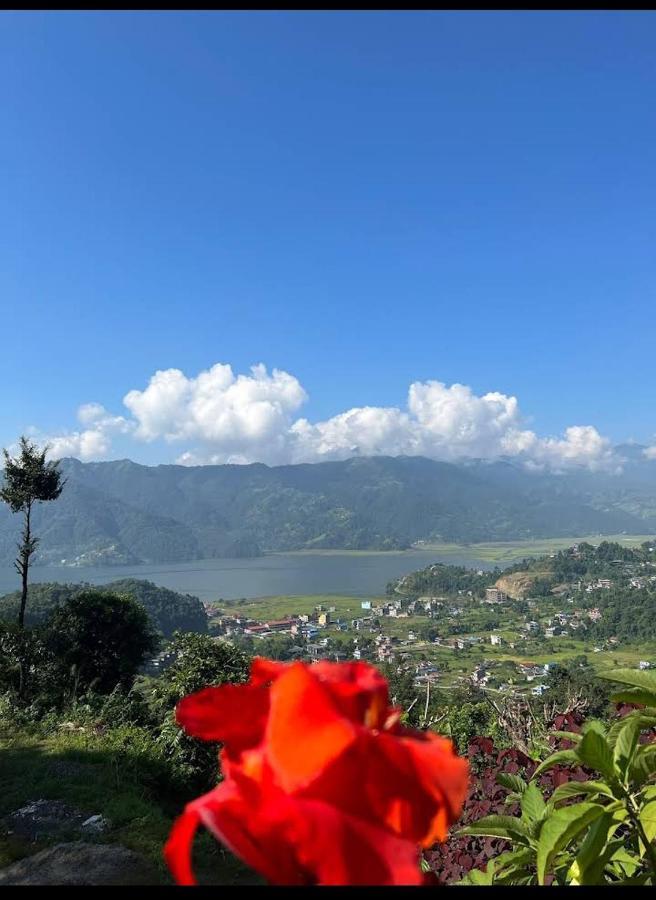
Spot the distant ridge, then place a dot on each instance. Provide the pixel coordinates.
(123, 513)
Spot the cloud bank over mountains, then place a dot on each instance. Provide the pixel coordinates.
(219, 417)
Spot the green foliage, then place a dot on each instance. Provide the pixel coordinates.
(576, 677)
(200, 661)
(442, 579)
(28, 478)
(168, 610)
(606, 838)
(123, 512)
(100, 639)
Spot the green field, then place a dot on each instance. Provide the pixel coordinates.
(512, 551)
(264, 608)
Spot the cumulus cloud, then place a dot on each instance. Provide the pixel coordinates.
(650, 452)
(94, 441)
(220, 417)
(236, 418)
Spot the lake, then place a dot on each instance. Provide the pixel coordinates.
(287, 574)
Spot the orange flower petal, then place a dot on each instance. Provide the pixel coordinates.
(305, 730)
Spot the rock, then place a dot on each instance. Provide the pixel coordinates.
(84, 864)
(95, 824)
(44, 818)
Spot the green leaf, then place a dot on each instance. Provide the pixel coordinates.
(625, 745)
(508, 827)
(575, 788)
(626, 862)
(644, 764)
(640, 679)
(590, 860)
(512, 782)
(594, 725)
(532, 804)
(572, 736)
(562, 826)
(560, 758)
(513, 859)
(594, 752)
(633, 695)
(648, 819)
(476, 876)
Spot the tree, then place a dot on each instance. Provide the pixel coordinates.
(200, 661)
(101, 639)
(29, 479)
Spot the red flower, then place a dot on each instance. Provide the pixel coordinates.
(322, 784)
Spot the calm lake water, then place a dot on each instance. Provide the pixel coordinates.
(290, 574)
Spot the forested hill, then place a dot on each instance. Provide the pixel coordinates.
(168, 610)
(617, 582)
(122, 512)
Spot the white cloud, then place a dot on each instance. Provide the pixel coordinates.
(226, 418)
(650, 452)
(236, 419)
(581, 446)
(93, 442)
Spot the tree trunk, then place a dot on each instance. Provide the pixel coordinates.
(24, 564)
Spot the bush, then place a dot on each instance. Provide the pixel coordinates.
(99, 639)
(201, 661)
(607, 837)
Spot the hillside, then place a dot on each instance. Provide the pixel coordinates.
(168, 610)
(122, 512)
(620, 581)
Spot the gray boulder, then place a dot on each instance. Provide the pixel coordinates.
(82, 863)
(44, 819)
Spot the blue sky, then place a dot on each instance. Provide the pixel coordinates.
(363, 200)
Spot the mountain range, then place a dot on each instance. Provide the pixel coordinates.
(123, 513)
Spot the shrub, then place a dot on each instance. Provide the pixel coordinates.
(606, 837)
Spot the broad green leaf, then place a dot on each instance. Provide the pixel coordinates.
(648, 793)
(562, 826)
(574, 788)
(634, 677)
(625, 745)
(508, 827)
(512, 782)
(648, 819)
(644, 764)
(532, 804)
(594, 852)
(633, 695)
(560, 758)
(645, 718)
(628, 863)
(593, 725)
(513, 859)
(476, 876)
(594, 752)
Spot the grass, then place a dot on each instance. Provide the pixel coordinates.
(86, 771)
(264, 608)
(512, 551)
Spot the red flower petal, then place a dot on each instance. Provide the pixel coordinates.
(264, 671)
(232, 713)
(177, 850)
(292, 841)
(305, 731)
